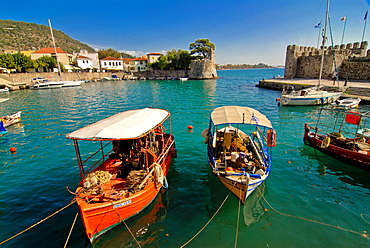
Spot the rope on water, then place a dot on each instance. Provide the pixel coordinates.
(137, 242)
(207, 222)
(70, 231)
(317, 222)
(12, 237)
(122, 220)
(238, 219)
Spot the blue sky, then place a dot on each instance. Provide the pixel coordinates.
(244, 31)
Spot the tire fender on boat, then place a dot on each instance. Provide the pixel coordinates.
(326, 142)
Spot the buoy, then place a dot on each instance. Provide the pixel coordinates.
(277, 99)
(190, 127)
(13, 149)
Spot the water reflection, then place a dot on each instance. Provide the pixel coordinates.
(344, 172)
(253, 208)
(145, 227)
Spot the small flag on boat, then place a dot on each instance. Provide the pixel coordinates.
(254, 118)
(343, 19)
(365, 17)
(318, 25)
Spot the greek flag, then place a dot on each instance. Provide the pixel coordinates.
(318, 25)
(254, 118)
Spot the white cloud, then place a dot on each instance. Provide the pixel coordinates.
(133, 53)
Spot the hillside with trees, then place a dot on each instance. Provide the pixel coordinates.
(21, 36)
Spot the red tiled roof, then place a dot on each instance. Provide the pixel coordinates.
(110, 58)
(154, 54)
(82, 57)
(140, 59)
(49, 50)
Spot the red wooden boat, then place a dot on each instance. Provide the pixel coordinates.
(128, 168)
(342, 135)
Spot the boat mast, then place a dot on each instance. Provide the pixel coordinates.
(55, 50)
(323, 40)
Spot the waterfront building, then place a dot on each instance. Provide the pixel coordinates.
(62, 57)
(111, 64)
(153, 57)
(85, 63)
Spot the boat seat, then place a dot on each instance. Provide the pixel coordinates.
(363, 146)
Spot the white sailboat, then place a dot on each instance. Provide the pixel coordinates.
(315, 95)
(46, 84)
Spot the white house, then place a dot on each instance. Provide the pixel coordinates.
(153, 57)
(85, 63)
(138, 64)
(93, 56)
(111, 64)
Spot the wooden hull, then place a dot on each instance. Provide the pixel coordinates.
(352, 157)
(241, 190)
(99, 217)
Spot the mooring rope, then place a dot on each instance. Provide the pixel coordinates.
(314, 221)
(12, 237)
(129, 230)
(207, 222)
(70, 231)
(238, 220)
(137, 242)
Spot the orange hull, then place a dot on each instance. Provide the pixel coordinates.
(99, 217)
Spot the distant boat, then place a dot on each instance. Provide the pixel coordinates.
(346, 103)
(310, 96)
(132, 155)
(4, 89)
(42, 83)
(239, 147)
(183, 79)
(4, 99)
(11, 119)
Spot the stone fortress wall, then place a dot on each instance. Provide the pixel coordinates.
(352, 62)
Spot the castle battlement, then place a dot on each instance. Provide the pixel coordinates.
(304, 61)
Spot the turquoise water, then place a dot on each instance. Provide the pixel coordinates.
(302, 204)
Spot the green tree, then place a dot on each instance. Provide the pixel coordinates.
(7, 61)
(22, 62)
(110, 52)
(202, 47)
(47, 63)
(173, 60)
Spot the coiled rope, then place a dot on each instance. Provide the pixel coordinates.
(12, 237)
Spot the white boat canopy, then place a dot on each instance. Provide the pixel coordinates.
(239, 115)
(126, 125)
